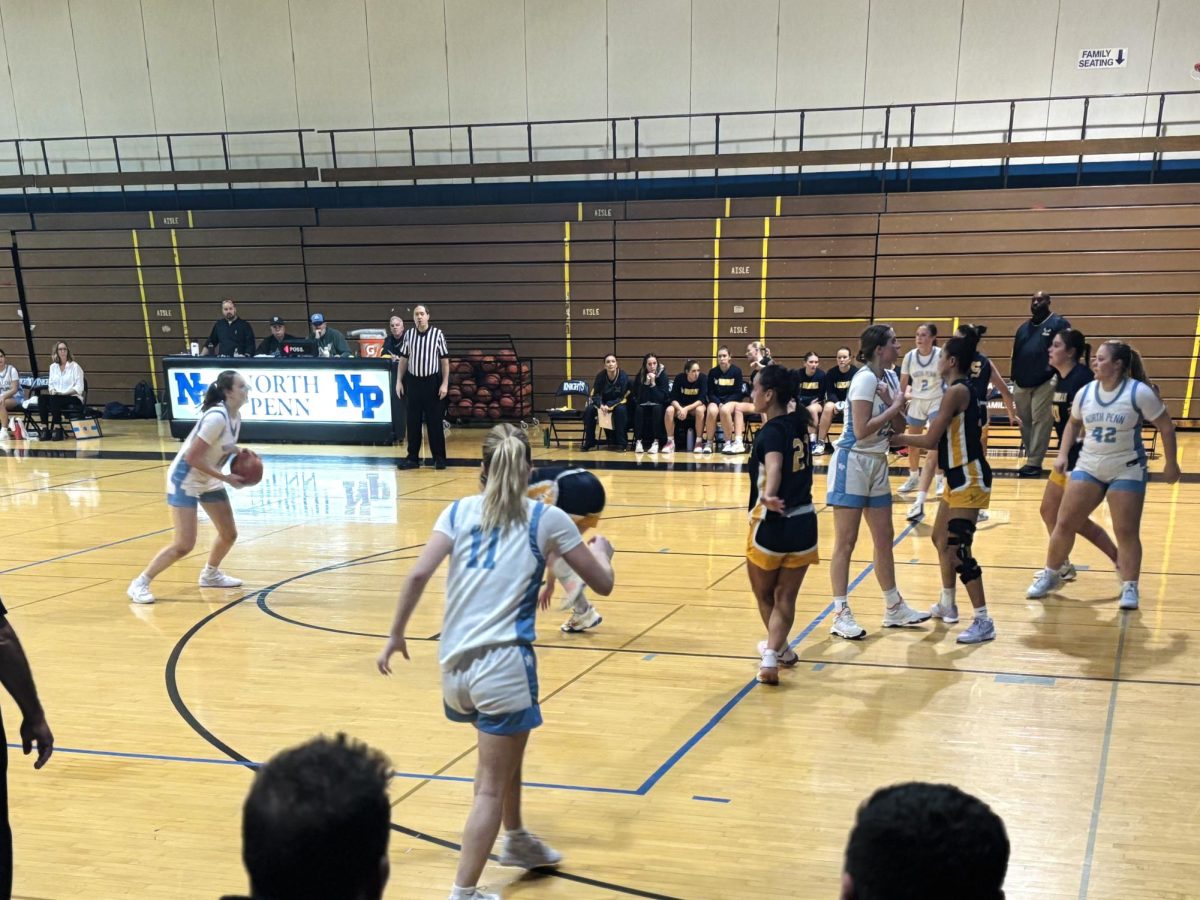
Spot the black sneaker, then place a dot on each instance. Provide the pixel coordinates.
(408, 464)
(1029, 472)
(439, 464)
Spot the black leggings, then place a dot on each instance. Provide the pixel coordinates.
(54, 405)
(648, 424)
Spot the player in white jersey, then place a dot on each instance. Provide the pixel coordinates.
(497, 542)
(857, 484)
(921, 383)
(1109, 413)
(195, 477)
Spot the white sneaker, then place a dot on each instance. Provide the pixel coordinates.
(699, 447)
(669, 447)
(916, 512)
(768, 670)
(476, 894)
(707, 449)
(947, 613)
(844, 626)
(819, 448)
(218, 579)
(1068, 572)
(903, 616)
(528, 851)
(1046, 582)
(983, 516)
(654, 447)
(637, 448)
(910, 483)
(578, 622)
(729, 448)
(139, 591)
(1129, 595)
(939, 486)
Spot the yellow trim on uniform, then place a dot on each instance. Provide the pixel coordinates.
(179, 287)
(137, 261)
(716, 287)
(1187, 398)
(567, 292)
(973, 493)
(762, 294)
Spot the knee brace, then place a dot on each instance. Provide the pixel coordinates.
(961, 536)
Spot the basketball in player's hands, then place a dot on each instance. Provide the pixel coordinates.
(247, 465)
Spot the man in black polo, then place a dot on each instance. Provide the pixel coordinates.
(273, 343)
(424, 377)
(231, 335)
(1033, 390)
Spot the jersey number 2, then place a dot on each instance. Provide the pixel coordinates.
(798, 462)
(489, 559)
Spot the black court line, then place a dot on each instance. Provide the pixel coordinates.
(52, 487)
(181, 707)
(590, 462)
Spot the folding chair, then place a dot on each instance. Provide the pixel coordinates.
(566, 416)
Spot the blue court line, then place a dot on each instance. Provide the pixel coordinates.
(1043, 680)
(737, 698)
(711, 799)
(817, 667)
(416, 776)
(1103, 773)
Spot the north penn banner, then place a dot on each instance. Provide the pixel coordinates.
(290, 394)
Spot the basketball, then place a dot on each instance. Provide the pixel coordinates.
(248, 466)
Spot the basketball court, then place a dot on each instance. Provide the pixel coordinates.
(663, 769)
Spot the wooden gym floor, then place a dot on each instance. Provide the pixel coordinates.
(663, 769)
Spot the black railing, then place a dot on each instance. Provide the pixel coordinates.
(300, 156)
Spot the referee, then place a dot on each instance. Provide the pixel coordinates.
(424, 375)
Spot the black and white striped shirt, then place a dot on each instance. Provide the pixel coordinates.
(424, 352)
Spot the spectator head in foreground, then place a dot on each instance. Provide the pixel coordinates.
(920, 841)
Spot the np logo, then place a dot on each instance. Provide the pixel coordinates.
(350, 392)
(189, 389)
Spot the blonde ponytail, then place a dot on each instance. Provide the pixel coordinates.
(506, 458)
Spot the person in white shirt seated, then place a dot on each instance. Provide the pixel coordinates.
(64, 392)
(10, 394)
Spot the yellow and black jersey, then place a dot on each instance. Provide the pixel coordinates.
(962, 441)
(786, 435)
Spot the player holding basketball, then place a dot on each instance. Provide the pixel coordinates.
(497, 542)
(956, 431)
(194, 477)
(579, 494)
(1109, 413)
(782, 543)
(858, 485)
(1069, 356)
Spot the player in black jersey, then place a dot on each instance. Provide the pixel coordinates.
(1069, 357)
(810, 392)
(782, 543)
(983, 378)
(579, 494)
(837, 383)
(957, 432)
